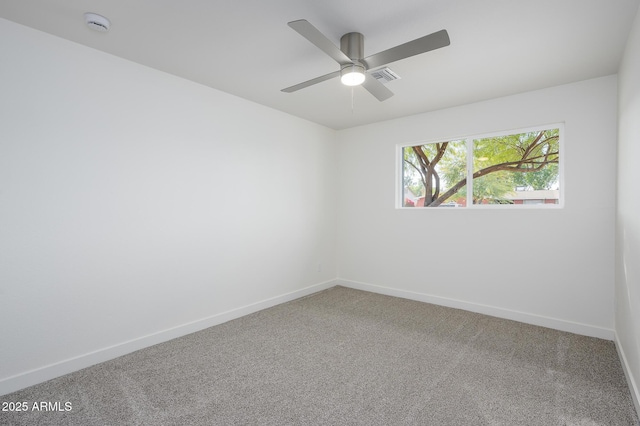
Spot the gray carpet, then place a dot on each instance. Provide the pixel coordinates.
(347, 357)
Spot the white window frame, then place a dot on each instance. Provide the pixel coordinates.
(399, 196)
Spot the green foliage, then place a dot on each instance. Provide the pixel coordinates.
(546, 178)
(411, 176)
(492, 187)
(454, 165)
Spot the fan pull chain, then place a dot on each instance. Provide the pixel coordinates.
(352, 91)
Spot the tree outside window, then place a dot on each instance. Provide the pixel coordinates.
(521, 168)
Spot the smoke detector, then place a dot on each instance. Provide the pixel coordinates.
(97, 22)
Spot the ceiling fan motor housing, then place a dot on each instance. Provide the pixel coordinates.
(352, 44)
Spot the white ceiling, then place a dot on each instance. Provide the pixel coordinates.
(244, 47)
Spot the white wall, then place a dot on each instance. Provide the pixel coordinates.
(627, 320)
(133, 202)
(551, 267)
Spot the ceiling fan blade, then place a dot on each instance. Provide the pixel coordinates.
(311, 33)
(420, 45)
(312, 82)
(376, 88)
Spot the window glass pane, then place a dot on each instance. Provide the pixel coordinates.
(434, 174)
(517, 169)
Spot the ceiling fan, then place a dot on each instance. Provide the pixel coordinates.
(354, 66)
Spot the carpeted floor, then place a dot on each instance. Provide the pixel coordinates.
(347, 357)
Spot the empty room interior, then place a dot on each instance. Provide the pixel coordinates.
(174, 171)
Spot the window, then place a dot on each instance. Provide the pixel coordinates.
(506, 169)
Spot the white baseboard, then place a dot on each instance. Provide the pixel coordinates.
(42, 374)
(633, 385)
(554, 323)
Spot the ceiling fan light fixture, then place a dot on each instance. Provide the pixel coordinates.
(352, 75)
